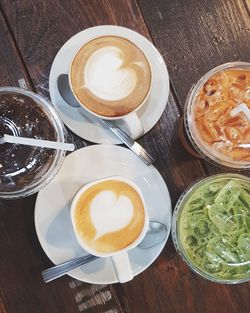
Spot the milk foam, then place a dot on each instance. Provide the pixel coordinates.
(110, 213)
(105, 76)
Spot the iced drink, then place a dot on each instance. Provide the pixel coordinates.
(211, 228)
(219, 119)
(24, 168)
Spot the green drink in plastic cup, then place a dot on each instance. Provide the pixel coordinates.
(211, 228)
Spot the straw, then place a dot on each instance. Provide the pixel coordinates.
(37, 143)
(244, 145)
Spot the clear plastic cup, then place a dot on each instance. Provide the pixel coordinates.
(211, 228)
(25, 170)
(213, 119)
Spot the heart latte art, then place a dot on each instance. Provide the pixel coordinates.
(105, 76)
(109, 216)
(110, 76)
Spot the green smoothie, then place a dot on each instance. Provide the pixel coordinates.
(214, 228)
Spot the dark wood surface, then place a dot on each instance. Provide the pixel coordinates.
(193, 36)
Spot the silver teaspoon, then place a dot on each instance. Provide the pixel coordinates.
(156, 233)
(134, 146)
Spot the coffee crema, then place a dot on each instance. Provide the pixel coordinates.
(110, 76)
(109, 216)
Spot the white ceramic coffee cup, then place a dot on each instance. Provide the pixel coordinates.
(119, 258)
(132, 119)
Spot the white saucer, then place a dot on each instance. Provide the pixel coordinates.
(52, 216)
(87, 128)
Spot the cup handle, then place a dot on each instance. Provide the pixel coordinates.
(134, 125)
(122, 267)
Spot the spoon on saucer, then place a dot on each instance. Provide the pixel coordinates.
(66, 93)
(156, 233)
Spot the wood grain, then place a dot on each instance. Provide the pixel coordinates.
(11, 67)
(188, 35)
(22, 259)
(48, 32)
(195, 36)
(2, 309)
(39, 49)
(21, 262)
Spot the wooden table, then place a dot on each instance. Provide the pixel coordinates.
(193, 37)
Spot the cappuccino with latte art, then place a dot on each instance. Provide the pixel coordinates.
(109, 216)
(110, 76)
